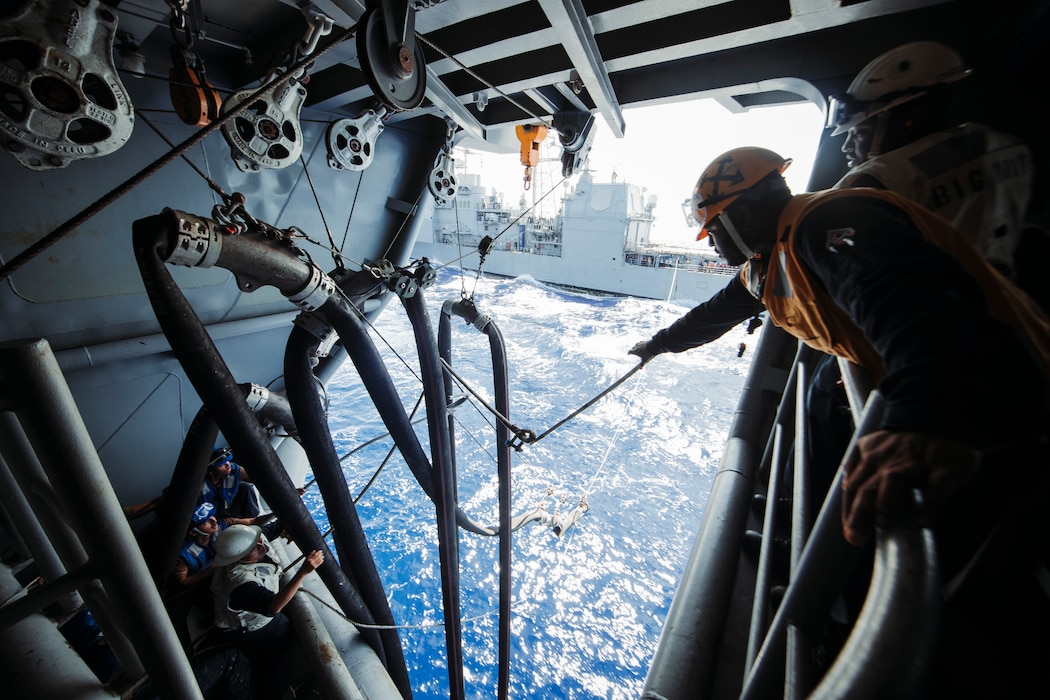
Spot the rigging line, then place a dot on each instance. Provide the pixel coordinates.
(353, 206)
(167, 79)
(631, 395)
(459, 247)
(590, 403)
(211, 183)
(491, 409)
(404, 222)
(313, 190)
(364, 318)
(389, 454)
(368, 442)
(473, 437)
(496, 237)
(377, 438)
(123, 188)
(524, 435)
(471, 73)
(386, 460)
(218, 190)
(420, 626)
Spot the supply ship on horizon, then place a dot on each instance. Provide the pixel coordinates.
(599, 241)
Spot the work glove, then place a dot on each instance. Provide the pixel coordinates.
(641, 349)
(887, 467)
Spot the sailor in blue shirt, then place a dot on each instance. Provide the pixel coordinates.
(225, 487)
(196, 558)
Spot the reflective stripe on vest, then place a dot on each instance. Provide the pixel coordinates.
(196, 556)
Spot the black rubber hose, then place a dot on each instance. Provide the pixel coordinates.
(376, 379)
(445, 353)
(351, 543)
(180, 497)
(211, 378)
(501, 387)
(447, 531)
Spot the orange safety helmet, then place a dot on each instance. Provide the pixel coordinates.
(727, 177)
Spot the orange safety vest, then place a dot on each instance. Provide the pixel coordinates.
(798, 304)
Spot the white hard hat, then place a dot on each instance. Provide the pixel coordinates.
(897, 76)
(235, 542)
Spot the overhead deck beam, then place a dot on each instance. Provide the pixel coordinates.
(574, 30)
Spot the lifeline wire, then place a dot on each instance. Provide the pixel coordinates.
(421, 626)
(527, 436)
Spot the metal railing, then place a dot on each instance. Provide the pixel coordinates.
(890, 645)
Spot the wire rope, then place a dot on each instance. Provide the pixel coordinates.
(77, 220)
(324, 222)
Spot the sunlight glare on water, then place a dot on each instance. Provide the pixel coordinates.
(588, 606)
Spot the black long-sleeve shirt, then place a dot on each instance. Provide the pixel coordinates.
(708, 321)
(952, 369)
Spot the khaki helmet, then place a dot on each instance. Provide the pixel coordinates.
(900, 75)
(235, 542)
(727, 177)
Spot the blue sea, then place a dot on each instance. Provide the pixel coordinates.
(588, 606)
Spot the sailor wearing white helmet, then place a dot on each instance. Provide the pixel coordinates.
(898, 137)
(249, 598)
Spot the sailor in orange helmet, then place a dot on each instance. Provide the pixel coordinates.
(961, 355)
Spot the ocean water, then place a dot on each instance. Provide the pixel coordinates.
(588, 606)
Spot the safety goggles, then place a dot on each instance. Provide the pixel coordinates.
(698, 212)
(845, 112)
(225, 455)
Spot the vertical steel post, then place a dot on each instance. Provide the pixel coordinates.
(28, 527)
(64, 544)
(798, 678)
(78, 477)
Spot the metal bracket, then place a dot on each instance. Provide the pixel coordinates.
(316, 292)
(197, 241)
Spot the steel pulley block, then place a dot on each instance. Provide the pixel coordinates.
(351, 142)
(267, 134)
(442, 182)
(61, 99)
(397, 74)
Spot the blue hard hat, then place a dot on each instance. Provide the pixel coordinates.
(202, 512)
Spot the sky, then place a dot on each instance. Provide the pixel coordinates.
(664, 150)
